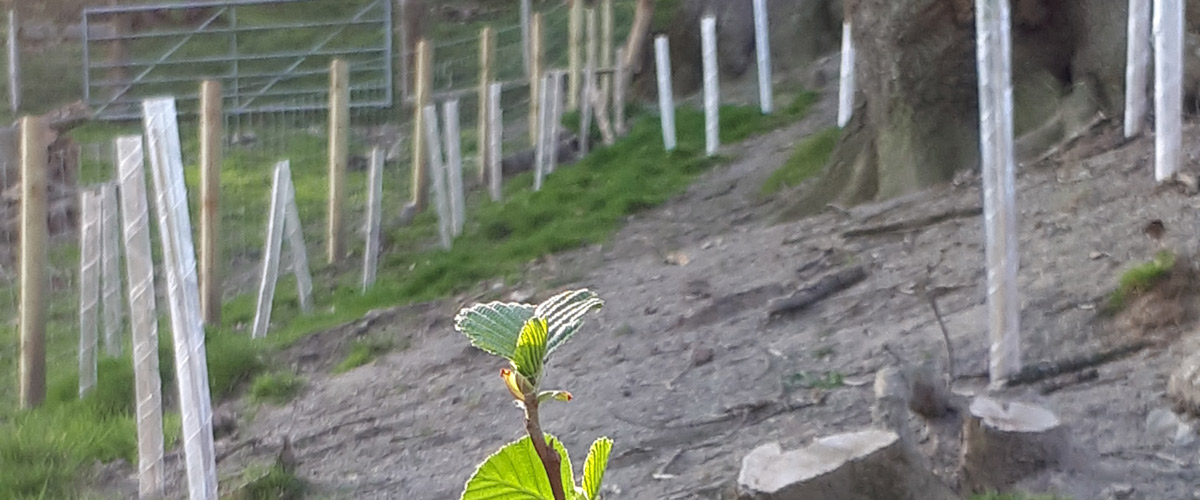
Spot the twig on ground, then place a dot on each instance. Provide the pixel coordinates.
(822, 289)
(914, 224)
(1046, 369)
(1082, 377)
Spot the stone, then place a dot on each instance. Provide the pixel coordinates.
(1183, 388)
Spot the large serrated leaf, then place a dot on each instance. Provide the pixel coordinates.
(516, 473)
(494, 327)
(564, 313)
(594, 467)
(531, 349)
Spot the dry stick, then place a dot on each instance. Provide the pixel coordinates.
(374, 205)
(110, 281)
(34, 235)
(89, 288)
(339, 130)
(1047, 369)
(210, 200)
(486, 53)
(1137, 66)
(424, 80)
(143, 315)
(271, 254)
(825, 287)
(923, 289)
(913, 224)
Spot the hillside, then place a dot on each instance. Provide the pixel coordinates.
(684, 370)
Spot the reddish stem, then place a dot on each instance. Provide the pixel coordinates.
(550, 459)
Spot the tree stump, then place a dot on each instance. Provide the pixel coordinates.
(866, 465)
(1004, 442)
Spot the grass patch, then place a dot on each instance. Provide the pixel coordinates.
(806, 161)
(362, 352)
(275, 483)
(1138, 280)
(275, 388)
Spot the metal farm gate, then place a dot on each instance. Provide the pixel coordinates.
(268, 54)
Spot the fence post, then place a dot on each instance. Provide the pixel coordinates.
(526, 43)
(606, 49)
(211, 135)
(453, 137)
(271, 254)
(536, 80)
(620, 83)
(34, 235)
(994, 56)
(1137, 66)
(712, 98)
(339, 130)
(847, 88)
(437, 171)
(143, 316)
(374, 205)
(574, 53)
(89, 287)
(666, 99)
(762, 46)
(1168, 87)
(110, 281)
(191, 366)
(14, 62)
(495, 144)
(294, 232)
(424, 80)
(486, 52)
(589, 82)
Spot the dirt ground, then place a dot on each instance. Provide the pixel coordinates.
(693, 277)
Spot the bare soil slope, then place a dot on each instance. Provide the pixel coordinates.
(685, 371)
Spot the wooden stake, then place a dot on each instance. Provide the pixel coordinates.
(211, 137)
(574, 54)
(621, 82)
(606, 50)
(589, 82)
(536, 80)
(34, 235)
(143, 316)
(424, 80)
(339, 131)
(486, 53)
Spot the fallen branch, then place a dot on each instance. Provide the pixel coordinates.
(1082, 377)
(824, 288)
(913, 224)
(1070, 140)
(1040, 371)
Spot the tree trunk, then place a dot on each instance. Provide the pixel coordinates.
(635, 45)
(916, 120)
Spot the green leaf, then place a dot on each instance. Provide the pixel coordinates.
(531, 349)
(568, 477)
(494, 327)
(594, 467)
(516, 473)
(564, 314)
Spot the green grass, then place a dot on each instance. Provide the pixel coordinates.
(275, 388)
(364, 351)
(275, 483)
(1138, 280)
(806, 161)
